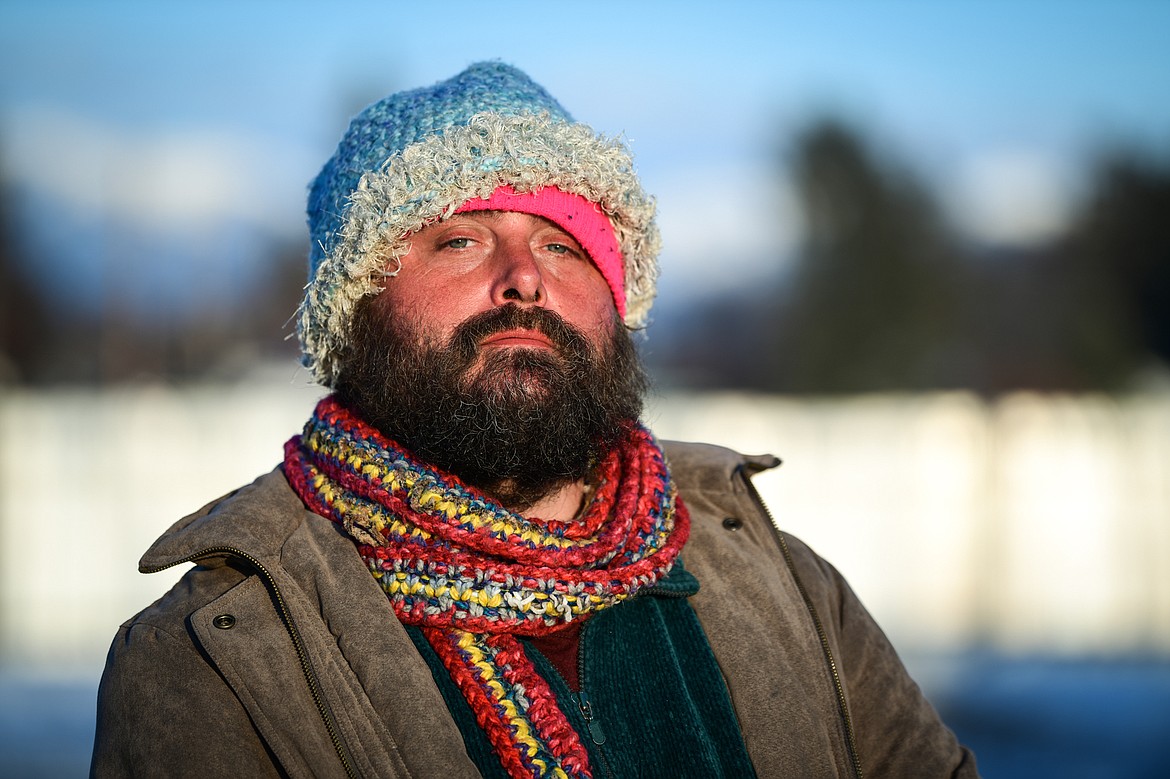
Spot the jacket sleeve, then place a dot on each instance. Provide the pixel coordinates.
(163, 711)
(898, 733)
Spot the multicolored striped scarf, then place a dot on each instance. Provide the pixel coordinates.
(474, 575)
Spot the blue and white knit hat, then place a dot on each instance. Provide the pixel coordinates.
(416, 156)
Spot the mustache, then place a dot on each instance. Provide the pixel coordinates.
(568, 340)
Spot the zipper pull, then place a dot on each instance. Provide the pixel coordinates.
(595, 731)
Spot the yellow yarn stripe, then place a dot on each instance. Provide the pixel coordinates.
(516, 720)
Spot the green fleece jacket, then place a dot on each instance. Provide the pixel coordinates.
(277, 655)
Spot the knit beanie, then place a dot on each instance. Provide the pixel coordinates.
(416, 157)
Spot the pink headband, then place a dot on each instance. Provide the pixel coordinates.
(574, 214)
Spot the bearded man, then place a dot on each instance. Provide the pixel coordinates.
(474, 560)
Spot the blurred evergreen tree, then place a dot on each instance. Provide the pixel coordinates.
(1122, 243)
(26, 331)
(1089, 311)
(874, 303)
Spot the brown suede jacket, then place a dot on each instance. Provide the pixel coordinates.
(277, 655)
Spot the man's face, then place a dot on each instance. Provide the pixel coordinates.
(496, 354)
(481, 260)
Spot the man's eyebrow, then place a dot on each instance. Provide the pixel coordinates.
(490, 214)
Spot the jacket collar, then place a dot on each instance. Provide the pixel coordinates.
(256, 519)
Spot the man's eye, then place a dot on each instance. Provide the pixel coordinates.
(457, 243)
(559, 248)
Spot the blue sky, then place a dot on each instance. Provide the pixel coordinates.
(186, 121)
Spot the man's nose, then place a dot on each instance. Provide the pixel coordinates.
(518, 277)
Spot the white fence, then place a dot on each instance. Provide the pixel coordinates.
(1031, 524)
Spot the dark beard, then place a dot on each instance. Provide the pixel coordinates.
(517, 423)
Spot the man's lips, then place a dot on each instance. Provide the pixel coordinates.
(530, 339)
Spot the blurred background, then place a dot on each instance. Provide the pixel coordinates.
(920, 251)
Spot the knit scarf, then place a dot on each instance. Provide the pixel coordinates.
(474, 575)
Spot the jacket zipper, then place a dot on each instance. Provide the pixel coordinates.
(842, 705)
(302, 653)
(592, 724)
